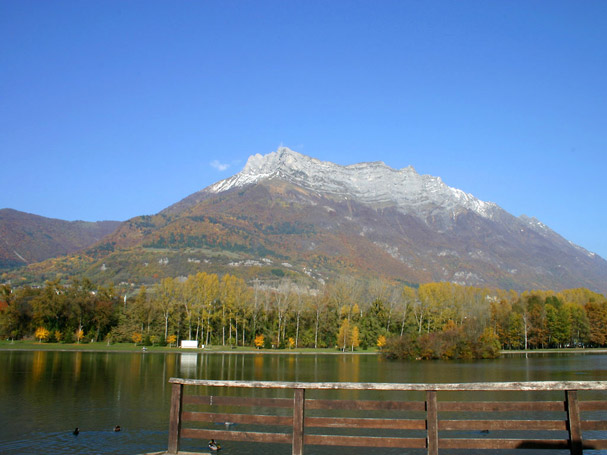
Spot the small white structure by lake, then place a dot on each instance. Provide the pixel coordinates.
(190, 344)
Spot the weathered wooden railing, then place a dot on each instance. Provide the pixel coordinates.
(488, 425)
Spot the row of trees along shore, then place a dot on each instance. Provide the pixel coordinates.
(434, 320)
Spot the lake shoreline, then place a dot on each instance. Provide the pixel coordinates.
(101, 347)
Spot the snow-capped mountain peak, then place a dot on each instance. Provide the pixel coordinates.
(372, 183)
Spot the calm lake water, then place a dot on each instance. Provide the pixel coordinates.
(45, 395)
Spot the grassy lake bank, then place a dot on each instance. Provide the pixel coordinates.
(7, 345)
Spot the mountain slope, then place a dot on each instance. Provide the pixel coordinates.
(320, 218)
(287, 213)
(26, 238)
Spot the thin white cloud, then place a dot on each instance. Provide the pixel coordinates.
(219, 166)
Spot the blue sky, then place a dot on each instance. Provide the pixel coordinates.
(113, 109)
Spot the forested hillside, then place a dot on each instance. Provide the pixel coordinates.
(26, 238)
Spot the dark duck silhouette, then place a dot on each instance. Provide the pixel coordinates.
(76, 431)
(117, 428)
(213, 445)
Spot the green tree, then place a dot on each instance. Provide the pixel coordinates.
(558, 323)
(373, 323)
(489, 344)
(515, 332)
(16, 317)
(578, 321)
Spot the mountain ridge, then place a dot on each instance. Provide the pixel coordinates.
(286, 213)
(382, 182)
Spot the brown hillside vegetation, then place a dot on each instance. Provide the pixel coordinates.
(27, 238)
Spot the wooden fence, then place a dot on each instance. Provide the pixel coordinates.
(463, 424)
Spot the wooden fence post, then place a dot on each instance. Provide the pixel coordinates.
(299, 400)
(574, 425)
(175, 418)
(432, 422)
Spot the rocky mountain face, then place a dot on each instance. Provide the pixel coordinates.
(289, 214)
(373, 184)
(295, 213)
(27, 238)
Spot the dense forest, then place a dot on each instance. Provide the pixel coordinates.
(434, 320)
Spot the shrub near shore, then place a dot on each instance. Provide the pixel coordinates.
(453, 342)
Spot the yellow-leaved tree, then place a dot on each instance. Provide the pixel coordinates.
(42, 334)
(259, 339)
(381, 341)
(343, 337)
(354, 337)
(171, 339)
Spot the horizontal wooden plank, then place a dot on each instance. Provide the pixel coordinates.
(360, 441)
(472, 386)
(597, 444)
(481, 425)
(219, 435)
(366, 405)
(391, 424)
(213, 400)
(250, 419)
(592, 405)
(500, 406)
(502, 443)
(594, 425)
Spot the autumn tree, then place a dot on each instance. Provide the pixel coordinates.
(282, 301)
(185, 294)
(343, 337)
(345, 293)
(597, 318)
(259, 340)
(171, 339)
(354, 338)
(538, 332)
(164, 299)
(42, 334)
(137, 338)
(206, 292)
(381, 341)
